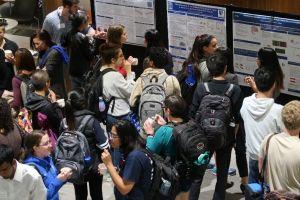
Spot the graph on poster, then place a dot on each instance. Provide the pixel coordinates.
(252, 32)
(136, 15)
(186, 21)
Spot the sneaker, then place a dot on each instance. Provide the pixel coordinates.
(229, 185)
(214, 170)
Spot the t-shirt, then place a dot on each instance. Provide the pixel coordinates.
(283, 164)
(137, 169)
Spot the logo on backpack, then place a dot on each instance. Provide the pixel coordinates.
(152, 97)
(215, 117)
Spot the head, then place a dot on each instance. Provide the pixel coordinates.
(79, 21)
(24, 60)
(217, 64)
(71, 6)
(3, 24)
(6, 120)
(291, 115)
(152, 38)
(264, 79)
(123, 135)
(227, 54)
(41, 41)
(8, 164)
(112, 54)
(117, 35)
(38, 144)
(268, 58)
(175, 107)
(158, 57)
(40, 80)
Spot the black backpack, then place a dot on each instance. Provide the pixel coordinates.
(95, 93)
(192, 149)
(164, 178)
(91, 76)
(72, 150)
(215, 115)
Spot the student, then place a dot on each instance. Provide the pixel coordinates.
(134, 180)
(19, 180)
(261, 116)
(38, 150)
(9, 132)
(25, 67)
(283, 161)
(43, 100)
(153, 39)
(217, 67)
(53, 59)
(97, 140)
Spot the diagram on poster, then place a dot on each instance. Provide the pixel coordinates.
(252, 32)
(136, 15)
(186, 21)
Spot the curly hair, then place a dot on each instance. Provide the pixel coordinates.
(291, 115)
(6, 121)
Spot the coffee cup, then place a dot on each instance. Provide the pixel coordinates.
(8, 53)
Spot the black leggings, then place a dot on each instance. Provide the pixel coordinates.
(240, 151)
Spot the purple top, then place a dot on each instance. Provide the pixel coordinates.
(18, 102)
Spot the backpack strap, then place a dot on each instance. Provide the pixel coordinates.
(229, 90)
(112, 99)
(206, 88)
(84, 122)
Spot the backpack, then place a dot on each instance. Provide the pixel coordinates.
(164, 178)
(72, 150)
(215, 116)
(152, 97)
(25, 87)
(95, 97)
(192, 149)
(188, 83)
(91, 76)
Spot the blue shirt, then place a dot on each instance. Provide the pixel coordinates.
(137, 169)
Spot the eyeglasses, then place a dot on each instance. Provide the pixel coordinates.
(113, 136)
(46, 143)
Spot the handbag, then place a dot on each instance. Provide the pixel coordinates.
(255, 191)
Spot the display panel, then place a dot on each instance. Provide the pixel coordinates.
(186, 21)
(253, 31)
(136, 15)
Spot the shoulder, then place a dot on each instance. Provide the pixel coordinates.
(28, 171)
(137, 155)
(17, 80)
(165, 130)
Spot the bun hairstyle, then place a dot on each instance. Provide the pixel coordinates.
(109, 51)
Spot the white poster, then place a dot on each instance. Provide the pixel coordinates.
(186, 21)
(136, 15)
(252, 32)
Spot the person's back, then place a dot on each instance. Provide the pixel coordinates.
(283, 162)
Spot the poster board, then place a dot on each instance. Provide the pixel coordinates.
(136, 15)
(186, 21)
(254, 31)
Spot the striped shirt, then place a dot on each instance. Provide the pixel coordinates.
(56, 25)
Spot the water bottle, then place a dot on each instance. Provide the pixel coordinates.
(88, 160)
(101, 104)
(165, 187)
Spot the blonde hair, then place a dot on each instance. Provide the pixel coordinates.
(291, 115)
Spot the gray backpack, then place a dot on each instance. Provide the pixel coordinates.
(72, 150)
(152, 97)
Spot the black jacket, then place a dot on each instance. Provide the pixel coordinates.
(81, 52)
(37, 103)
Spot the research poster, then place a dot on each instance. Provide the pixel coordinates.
(252, 32)
(186, 21)
(136, 15)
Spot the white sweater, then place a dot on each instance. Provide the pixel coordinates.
(261, 117)
(115, 85)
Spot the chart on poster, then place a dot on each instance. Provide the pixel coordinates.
(186, 21)
(252, 32)
(136, 15)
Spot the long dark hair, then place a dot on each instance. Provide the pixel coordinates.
(197, 53)
(6, 120)
(269, 59)
(76, 101)
(128, 136)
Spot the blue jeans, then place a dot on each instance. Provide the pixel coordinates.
(253, 171)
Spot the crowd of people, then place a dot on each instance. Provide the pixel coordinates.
(44, 97)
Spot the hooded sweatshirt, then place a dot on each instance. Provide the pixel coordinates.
(171, 84)
(261, 117)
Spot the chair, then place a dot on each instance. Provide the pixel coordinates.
(24, 11)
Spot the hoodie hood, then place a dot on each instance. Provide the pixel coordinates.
(153, 71)
(36, 102)
(258, 107)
